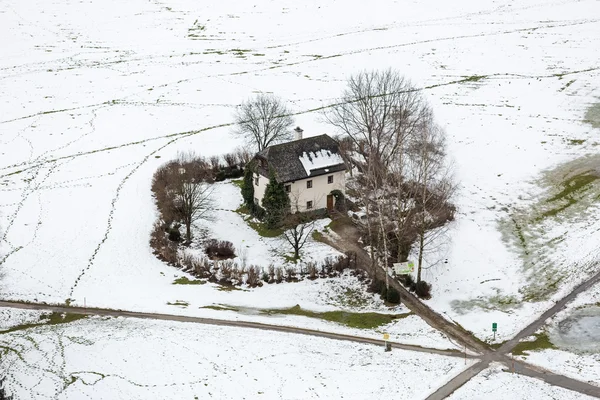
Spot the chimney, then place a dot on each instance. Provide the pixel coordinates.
(298, 133)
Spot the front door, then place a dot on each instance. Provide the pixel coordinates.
(329, 202)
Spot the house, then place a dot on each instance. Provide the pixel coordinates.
(309, 169)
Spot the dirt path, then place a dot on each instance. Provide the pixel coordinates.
(347, 239)
(537, 324)
(220, 322)
(350, 235)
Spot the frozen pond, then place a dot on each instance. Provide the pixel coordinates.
(580, 331)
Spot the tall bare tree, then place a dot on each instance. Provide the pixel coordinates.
(433, 186)
(192, 201)
(263, 121)
(376, 111)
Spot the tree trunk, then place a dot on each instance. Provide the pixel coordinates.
(188, 232)
(421, 247)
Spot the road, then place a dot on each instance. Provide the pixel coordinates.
(347, 241)
(523, 368)
(220, 322)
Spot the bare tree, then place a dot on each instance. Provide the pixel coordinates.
(376, 110)
(263, 121)
(192, 201)
(299, 228)
(434, 186)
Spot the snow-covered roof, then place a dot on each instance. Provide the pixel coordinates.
(301, 159)
(313, 160)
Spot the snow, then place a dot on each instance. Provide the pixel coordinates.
(95, 96)
(319, 159)
(495, 383)
(160, 359)
(10, 317)
(574, 333)
(260, 251)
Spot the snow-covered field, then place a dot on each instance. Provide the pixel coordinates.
(575, 334)
(94, 96)
(93, 93)
(121, 358)
(495, 383)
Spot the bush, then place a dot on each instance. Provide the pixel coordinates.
(252, 279)
(393, 296)
(278, 274)
(219, 249)
(228, 173)
(407, 280)
(290, 274)
(383, 291)
(423, 289)
(174, 234)
(312, 270)
(375, 286)
(340, 200)
(258, 212)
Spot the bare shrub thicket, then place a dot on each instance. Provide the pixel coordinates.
(182, 192)
(219, 249)
(252, 278)
(278, 274)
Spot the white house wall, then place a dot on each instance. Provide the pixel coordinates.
(299, 194)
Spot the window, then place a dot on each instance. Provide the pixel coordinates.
(256, 181)
(309, 184)
(308, 204)
(288, 188)
(330, 179)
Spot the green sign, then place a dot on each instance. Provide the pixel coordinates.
(494, 327)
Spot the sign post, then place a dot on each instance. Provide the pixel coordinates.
(494, 329)
(386, 337)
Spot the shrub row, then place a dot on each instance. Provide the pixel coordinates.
(228, 272)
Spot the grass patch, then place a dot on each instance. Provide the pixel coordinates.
(541, 342)
(575, 142)
(338, 223)
(228, 288)
(243, 210)
(473, 78)
(185, 281)
(572, 186)
(221, 308)
(497, 301)
(318, 237)
(238, 182)
(263, 231)
(592, 115)
(54, 318)
(290, 258)
(61, 318)
(178, 303)
(353, 320)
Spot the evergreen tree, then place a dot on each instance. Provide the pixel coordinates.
(248, 186)
(275, 202)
